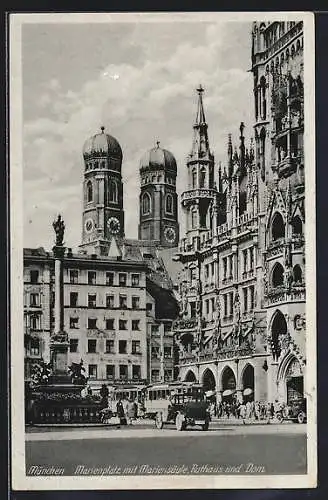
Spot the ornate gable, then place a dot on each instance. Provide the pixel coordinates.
(276, 203)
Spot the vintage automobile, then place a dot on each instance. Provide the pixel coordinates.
(182, 404)
(295, 411)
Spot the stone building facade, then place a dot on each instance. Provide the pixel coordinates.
(117, 297)
(241, 330)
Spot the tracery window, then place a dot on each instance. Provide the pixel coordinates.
(169, 204)
(89, 191)
(146, 204)
(113, 194)
(278, 227)
(278, 274)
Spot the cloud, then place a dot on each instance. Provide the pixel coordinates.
(154, 99)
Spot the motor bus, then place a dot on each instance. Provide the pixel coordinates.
(182, 403)
(125, 393)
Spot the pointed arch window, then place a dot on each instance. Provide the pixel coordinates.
(89, 191)
(278, 227)
(262, 152)
(113, 192)
(278, 274)
(146, 204)
(297, 273)
(297, 226)
(263, 101)
(169, 204)
(194, 178)
(193, 219)
(202, 178)
(278, 328)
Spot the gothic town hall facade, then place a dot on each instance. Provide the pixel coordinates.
(241, 328)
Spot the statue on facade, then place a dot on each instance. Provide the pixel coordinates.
(59, 228)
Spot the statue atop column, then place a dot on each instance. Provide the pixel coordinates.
(59, 228)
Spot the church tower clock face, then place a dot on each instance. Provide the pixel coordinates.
(169, 234)
(88, 225)
(113, 225)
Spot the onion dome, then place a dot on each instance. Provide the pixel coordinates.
(158, 158)
(102, 144)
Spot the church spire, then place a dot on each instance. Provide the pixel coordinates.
(200, 117)
(200, 147)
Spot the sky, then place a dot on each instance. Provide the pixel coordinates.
(136, 79)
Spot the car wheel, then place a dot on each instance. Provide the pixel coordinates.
(206, 424)
(179, 422)
(279, 418)
(301, 417)
(159, 420)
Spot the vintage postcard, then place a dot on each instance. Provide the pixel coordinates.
(162, 214)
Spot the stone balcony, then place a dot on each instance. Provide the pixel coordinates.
(284, 294)
(197, 193)
(223, 354)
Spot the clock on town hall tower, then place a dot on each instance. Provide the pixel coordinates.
(103, 214)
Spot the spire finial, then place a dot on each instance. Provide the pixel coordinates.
(200, 89)
(200, 117)
(102, 128)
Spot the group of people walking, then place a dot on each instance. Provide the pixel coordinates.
(250, 410)
(127, 411)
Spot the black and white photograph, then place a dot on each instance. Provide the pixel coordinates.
(163, 278)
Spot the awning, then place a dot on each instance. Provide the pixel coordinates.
(208, 394)
(228, 392)
(248, 391)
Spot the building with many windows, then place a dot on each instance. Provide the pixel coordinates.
(116, 295)
(241, 330)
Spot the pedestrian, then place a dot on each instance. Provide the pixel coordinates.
(130, 411)
(104, 392)
(120, 412)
